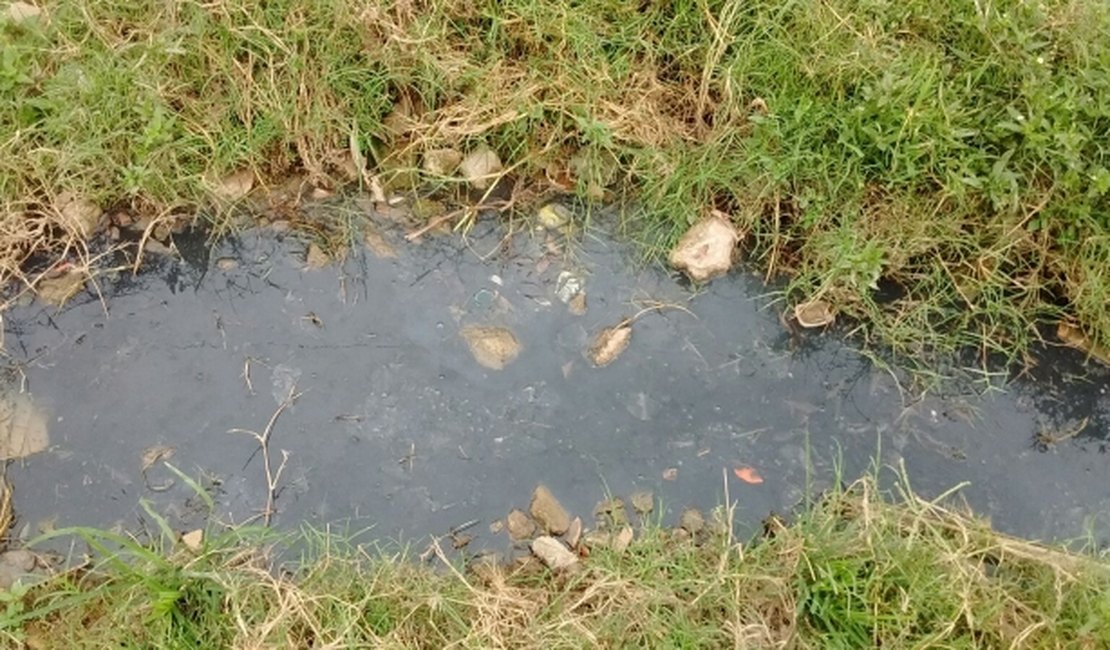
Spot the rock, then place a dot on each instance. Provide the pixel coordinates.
(609, 344)
(548, 512)
(23, 429)
(520, 526)
(670, 474)
(315, 257)
(814, 313)
(481, 167)
(496, 526)
(553, 553)
(553, 216)
(234, 186)
(705, 251)
(643, 501)
(622, 539)
(692, 521)
(155, 247)
(58, 289)
(81, 215)
(492, 347)
(574, 532)
(442, 162)
(577, 305)
(377, 243)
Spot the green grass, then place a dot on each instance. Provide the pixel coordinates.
(858, 569)
(953, 152)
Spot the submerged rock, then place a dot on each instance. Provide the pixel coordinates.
(705, 251)
(492, 347)
(691, 521)
(23, 429)
(609, 344)
(520, 526)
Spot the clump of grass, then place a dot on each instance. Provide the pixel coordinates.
(858, 569)
(950, 153)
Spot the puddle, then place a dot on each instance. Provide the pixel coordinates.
(398, 425)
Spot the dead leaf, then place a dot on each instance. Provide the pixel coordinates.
(315, 257)
(442, 162)
(23, 429)
(481, 167)
(234, 186)
(57, 290)
(747, 474)
(151, 455)
(705, 250)
(609, 344)
(670, 474)
(21, 12)
(814, 313)
(193, 540)
(492, 347)
(623, 539)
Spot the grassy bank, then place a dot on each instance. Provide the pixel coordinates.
(854, 571)
(950, 153)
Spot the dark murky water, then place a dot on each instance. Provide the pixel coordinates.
(398, 426)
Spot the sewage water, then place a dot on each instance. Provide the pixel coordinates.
(397, 427)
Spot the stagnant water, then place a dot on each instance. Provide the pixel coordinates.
(398, 427)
